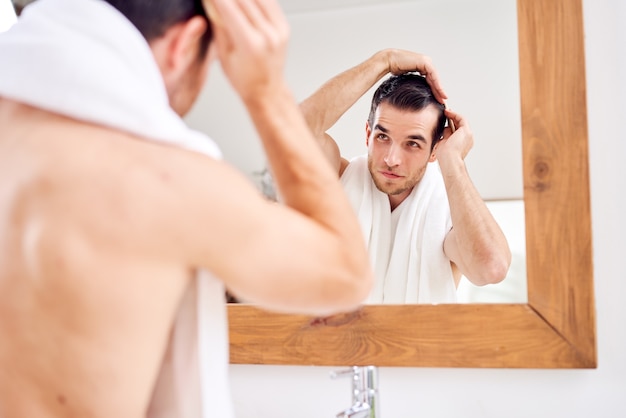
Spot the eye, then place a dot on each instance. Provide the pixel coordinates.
(382, 137)
(414, 144)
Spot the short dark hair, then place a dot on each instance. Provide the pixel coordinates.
(408, 91)
(154, 17)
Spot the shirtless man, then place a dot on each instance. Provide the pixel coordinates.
(404, 134)
(101, 231)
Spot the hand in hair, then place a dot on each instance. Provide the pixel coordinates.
(401, 61)
(251, 41)
(214, 17)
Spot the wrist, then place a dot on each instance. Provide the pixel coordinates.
(267, 98)
(382, 62)
(451, 165)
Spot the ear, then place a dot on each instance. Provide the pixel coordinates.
(184, 45)
(368, 132)
(433, 154)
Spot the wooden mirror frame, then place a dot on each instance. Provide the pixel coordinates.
(556, 328)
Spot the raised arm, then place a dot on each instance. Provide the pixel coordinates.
(307, 255)
(476, 244)
(327, 104)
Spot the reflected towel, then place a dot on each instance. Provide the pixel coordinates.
(405, 246)
(84, 60)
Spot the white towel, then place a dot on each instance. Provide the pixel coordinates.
(408, 259)
(85, 60)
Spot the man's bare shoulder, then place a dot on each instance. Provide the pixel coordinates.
(116, 184)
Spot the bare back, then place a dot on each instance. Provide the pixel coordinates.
(101, 233)
(87, 292)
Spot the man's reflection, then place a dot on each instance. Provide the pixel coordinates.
(423, 220)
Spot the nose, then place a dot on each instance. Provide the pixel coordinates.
(392, 158)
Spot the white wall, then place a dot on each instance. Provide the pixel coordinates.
(474, 47)
(308, 392)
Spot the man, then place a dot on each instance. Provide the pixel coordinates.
(112, 210)
(423, 220)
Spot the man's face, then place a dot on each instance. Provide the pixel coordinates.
(399, 145)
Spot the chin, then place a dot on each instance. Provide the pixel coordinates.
(387, 189)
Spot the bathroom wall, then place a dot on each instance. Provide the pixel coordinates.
(472, 43)
(474, 47)
(308, 392)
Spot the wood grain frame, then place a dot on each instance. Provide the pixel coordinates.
(556, 328)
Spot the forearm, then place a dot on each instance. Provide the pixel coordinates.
(327, 104)
(481, 250)
(308, 254)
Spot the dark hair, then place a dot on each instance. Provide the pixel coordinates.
(154, 17)
(408, 92)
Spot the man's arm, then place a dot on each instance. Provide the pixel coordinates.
(476, 244)
(307, 255)
(326, 105)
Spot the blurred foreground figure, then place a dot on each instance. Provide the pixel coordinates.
(120, 227)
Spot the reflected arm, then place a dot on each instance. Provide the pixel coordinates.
(326, 105)
(476, 244)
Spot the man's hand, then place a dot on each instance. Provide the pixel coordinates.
(251, 38)
(455, 144)
(401, 61)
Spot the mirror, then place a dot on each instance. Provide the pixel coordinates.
(556, 327)
(477, 56)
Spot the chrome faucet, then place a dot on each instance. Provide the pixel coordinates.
(365, 402)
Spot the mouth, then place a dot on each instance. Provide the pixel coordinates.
(390, 175)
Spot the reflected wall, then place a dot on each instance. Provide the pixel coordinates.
(474, 47)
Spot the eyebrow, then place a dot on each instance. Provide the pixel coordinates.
(413, 137)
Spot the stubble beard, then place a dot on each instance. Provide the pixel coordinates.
(394, 189)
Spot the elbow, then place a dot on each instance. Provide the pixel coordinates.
(365, 286)
(357, 288)
(358, 274)
(349, 290)
(492, 270)
(497, 271)
(312, 118)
